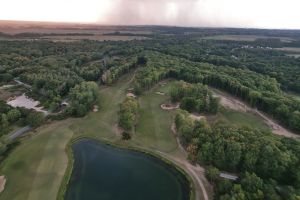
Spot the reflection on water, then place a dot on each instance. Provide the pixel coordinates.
(24, 101)
(103, 172)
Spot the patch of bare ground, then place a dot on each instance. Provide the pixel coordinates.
(2, 183)
(235, 104)
(170, 106)
(196, 116)
(203, 189)
(118, 130)
(130, 94)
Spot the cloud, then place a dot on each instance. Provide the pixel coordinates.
(224, 13)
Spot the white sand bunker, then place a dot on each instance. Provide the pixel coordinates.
(160, 93)
(130, 94)
(170, 106)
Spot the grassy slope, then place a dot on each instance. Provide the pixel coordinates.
(34, 170)
(242, 119)
(153, 130)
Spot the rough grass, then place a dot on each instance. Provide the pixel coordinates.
(242, 119)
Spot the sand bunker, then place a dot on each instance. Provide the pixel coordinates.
(160, 93)
(170, 106)
(130, 94)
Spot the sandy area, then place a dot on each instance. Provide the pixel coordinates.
(196, 116)
(160, 93)
(170, 106)
(130, 94)
(235, 104)
(2, 183)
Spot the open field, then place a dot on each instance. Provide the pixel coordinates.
(291, 51)
(242, 119)
(248, 38)
(67, 38)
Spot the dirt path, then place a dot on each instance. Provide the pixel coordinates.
(233, 103)
(195, 171)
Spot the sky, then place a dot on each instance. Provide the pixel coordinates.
(197, 13)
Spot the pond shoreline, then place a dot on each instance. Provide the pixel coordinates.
(68, 173)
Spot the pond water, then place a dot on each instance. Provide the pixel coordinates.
(24, 101)
(103, 172)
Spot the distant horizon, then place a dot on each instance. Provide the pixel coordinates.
(260, 14)
(137, 25)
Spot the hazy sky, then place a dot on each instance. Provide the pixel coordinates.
(228, 13)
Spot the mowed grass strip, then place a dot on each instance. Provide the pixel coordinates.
(35, 169)
(154, 127)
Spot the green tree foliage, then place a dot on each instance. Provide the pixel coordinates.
(128, 114)
(262, 156)
(194, 98)
(13, 115)
(35, 119)
(82, 98)
(212, 174)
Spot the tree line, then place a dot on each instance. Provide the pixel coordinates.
(268, 165)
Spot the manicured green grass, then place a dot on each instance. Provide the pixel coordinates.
(154, 127)
(101, 123)
(34, 169)
(242, 119)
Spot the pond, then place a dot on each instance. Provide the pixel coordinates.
(103, 172)
(24, 101)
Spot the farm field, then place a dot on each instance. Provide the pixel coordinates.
(248, 38)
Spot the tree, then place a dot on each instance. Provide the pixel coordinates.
(82, 98)
(35, 119)
(13, 115)
(4, 124)
(212, 174)
(253, 186)
(128, 113)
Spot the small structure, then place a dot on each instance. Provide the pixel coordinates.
(229, 176)
(2, 183)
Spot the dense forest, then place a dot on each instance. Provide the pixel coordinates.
(269, 165)
(256, 71)
(194, 98)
